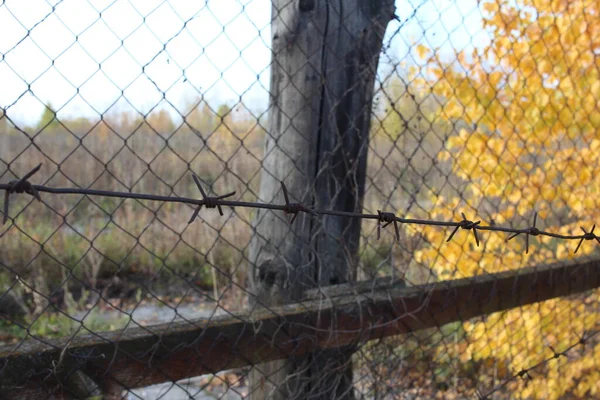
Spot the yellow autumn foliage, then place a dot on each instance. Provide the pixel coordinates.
(529, 104)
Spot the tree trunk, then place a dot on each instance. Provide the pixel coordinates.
(324, 63)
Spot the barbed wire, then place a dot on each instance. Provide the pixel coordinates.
(384, 219)
(525, 373)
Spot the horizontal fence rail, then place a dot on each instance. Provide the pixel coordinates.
(332, 317)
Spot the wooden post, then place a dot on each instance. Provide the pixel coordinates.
(324, 61)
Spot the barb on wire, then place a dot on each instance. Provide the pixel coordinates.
(384, 218)
(20, 186)
(292, 208)
(466, 224)
(525, 373)
(533, 231)
(588, 236)
(388, 218)
(208, 202)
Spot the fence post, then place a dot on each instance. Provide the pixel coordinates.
(324, 62)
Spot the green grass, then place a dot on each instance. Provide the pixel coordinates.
(52, 324)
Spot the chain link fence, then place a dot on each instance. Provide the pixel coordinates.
(299, 199)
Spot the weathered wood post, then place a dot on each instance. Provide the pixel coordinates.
(324, 61)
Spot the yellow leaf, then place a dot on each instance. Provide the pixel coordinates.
(491, 6)
(423, 51)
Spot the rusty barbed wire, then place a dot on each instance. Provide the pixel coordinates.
(525, 373)
(23, 185)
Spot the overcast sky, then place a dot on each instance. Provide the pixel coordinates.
(90, 57)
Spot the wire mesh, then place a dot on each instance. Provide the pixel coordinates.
(121, 121)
